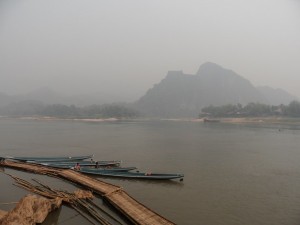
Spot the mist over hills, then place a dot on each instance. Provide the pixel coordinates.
(177, 95)
(276, 96)
(48, 96)
(183, 95)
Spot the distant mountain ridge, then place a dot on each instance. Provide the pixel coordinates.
(183, 95)
(276, 96)
(177, 95)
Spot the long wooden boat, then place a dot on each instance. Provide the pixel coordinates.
(92, 162)
(97, 171)
(81, 163)
(138, 175)
(206, 120)
(50, 159)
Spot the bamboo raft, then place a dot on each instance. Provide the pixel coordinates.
(135, 211)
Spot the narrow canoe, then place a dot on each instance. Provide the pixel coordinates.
(87, 163)
(96, 171)
(138, 175)
(50, 159)
(81, 163)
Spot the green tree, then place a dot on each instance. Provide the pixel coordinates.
(293, 109)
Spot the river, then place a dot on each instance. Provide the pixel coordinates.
(234, 174)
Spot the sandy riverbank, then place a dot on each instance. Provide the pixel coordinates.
(245, 120)
(260, 120)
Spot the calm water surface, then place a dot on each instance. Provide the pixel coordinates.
(234, 174)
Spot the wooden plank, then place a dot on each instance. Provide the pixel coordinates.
(135, 211)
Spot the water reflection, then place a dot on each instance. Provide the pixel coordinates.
(53, 217)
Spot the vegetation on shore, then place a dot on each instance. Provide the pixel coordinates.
(72, 111)
(252, 110)
(33, 108)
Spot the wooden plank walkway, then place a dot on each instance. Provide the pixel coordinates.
(136, 212)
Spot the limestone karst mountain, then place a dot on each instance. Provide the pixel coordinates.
(183, 95)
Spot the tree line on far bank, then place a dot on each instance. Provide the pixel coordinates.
(252, 110)
(33, 108)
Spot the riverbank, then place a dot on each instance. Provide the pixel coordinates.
(46, 118)
(260, 120)
(244, 120)
(233, 120)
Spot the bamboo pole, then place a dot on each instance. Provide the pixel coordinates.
(85, 207)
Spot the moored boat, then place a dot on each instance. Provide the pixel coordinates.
(50, 159)
(81, 163)
(207, 120)
(138, 175)
(97, 171)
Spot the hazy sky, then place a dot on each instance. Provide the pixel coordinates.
(120, 48)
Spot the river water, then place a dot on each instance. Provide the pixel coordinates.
(234, 174)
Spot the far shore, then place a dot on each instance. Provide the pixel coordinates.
(48, 118)
(245, 120)
(232, 120)
(260, 120)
